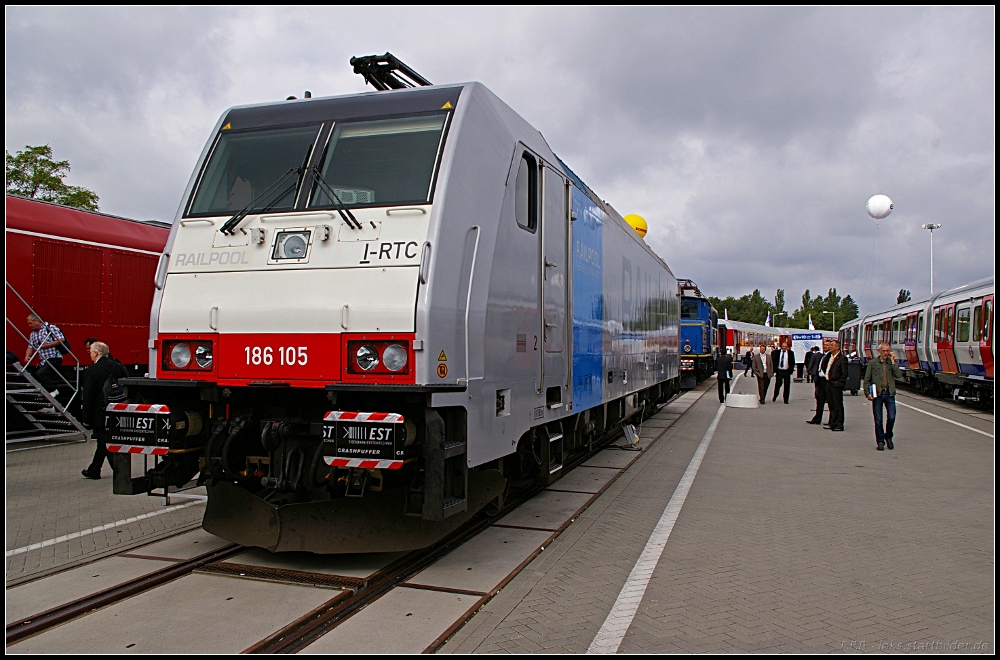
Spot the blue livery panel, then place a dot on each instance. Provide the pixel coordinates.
(588, 302)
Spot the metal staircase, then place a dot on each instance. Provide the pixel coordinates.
(32, 413)
(46, 418)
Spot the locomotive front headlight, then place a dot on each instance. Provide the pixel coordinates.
(180, 355)
(203, 355)
(394, 357)
(366, 357)
(291, 245)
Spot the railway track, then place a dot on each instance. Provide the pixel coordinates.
(349, 594)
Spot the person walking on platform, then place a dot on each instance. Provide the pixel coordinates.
(747, 361)
(783, 360)
(724, 372)
(880, 388)
(95, 402)
(836, 378)
(763, 369)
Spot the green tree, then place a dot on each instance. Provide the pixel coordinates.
(904, 296)
(33, 174)
(751, 308)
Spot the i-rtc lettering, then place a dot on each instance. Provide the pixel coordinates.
(390, 251)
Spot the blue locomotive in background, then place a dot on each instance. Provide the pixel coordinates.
(699, 335)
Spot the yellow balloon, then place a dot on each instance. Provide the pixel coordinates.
(638, 223)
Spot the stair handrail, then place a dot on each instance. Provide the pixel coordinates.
(74, 386)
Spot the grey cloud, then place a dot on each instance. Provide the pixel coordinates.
(748, 137)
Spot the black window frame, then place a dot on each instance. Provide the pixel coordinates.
(320, 127)
(320, 157)
(533, 201)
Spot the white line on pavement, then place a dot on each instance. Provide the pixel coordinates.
(988, 435)
(86, 532)
(11, 451)
(610, 636)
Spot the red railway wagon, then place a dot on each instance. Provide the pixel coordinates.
(91, 274)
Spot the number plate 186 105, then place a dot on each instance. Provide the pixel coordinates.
(363, 440)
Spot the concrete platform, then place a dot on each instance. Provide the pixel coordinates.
(56, 519)
(76, 583)
(791, 539)
(404, 621)
(196, 614)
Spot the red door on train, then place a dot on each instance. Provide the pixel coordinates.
(946, 340)
(910, 341)
(986, 338)
(867, 341)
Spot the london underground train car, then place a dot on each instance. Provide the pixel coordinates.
(943, 343)
(377, 313)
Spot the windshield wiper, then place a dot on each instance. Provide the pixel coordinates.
(345, 213)
(233, 222)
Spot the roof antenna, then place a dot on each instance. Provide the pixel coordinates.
(384, 72)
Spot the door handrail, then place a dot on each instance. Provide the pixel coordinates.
(468, 303)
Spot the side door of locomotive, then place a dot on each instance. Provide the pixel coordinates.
(555, 283)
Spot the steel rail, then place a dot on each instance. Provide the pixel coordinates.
(32, 625)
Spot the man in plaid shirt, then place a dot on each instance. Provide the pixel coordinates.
(44, 340)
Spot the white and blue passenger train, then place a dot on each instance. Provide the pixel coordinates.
(376, 313)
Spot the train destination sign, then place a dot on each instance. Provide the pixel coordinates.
(366, 440)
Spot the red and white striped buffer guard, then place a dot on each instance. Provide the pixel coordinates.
(369, 440)
(138, 428)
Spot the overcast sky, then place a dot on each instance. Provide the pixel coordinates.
(749, 139)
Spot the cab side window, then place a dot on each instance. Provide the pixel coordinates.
(526, 193)
(977, 323)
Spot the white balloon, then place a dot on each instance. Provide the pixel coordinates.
(879, 206)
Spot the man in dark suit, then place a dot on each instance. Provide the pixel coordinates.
(811, 365)
(836, 378)
(783, 360)
(724, 372)
(763, 369)
(820, 363)
(94, 402)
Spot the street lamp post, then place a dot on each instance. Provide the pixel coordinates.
(785, 314)
(834, 319)
(932, 226)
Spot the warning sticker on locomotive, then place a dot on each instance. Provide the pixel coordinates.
(135, 428)
(363, 440)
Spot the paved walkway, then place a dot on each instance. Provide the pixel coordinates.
(792, 539)
(47, 500)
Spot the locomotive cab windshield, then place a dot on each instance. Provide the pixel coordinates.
(371, 162)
